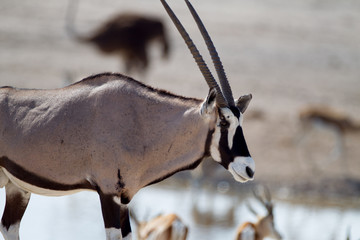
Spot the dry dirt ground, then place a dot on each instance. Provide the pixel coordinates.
(288, 54)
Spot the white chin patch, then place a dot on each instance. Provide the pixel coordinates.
(238, 168)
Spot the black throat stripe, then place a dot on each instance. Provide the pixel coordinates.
(194, 164)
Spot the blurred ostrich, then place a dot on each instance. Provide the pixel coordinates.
(126, 34)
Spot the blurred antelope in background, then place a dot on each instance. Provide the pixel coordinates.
(323, 117)
(207, 215)
(208, 187)
(131, 136)
(128, 35)
(162, 227)
(265, 226)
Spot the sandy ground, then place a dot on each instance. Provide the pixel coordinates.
(288, 54)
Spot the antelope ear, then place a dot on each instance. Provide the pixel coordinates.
(243, 102)
(208, 105)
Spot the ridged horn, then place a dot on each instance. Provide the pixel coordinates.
(220, 100)
(225, 86)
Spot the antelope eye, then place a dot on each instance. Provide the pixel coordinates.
(224, 123)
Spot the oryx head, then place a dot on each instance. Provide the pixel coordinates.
(228, 146)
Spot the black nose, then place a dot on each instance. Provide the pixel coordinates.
(249, 172)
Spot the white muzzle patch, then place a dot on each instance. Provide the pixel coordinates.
(242, 169)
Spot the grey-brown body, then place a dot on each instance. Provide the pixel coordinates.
(107, 133)
(96, 128)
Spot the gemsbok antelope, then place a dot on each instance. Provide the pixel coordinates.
(264, 227)
(128, 35)
(114, 135)
(162, 227)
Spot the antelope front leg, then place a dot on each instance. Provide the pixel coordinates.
(16, 203)
(116, 218)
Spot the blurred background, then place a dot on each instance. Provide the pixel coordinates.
(299, 59)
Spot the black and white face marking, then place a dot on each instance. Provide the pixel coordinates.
(228, 145)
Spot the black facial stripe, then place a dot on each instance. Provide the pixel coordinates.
(225, 152)
(235, 111)
(224, 124)
(238, 149)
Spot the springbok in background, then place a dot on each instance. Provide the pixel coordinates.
(264, 226)
(114, 135)
(209, 217)
(126, 34)
(208, 187)
(323, 117)
(162, 227)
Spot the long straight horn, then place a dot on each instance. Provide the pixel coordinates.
(225, 86)
(220, 100)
